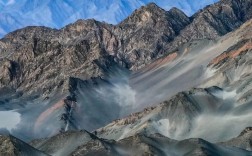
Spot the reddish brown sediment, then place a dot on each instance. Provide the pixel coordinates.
(167, 59)
(162, 61)
(232, 54)
(43, 116)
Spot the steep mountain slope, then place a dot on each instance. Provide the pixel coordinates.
(57, 80)
(139, 48)
(75, 47)
(21, 13)
(185, 114)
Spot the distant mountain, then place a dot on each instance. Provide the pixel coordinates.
(57, 13)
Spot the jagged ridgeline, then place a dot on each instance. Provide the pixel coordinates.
(142, 87)
(21, 13)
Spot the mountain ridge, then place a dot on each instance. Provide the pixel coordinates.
(164, 37)
(16, 15)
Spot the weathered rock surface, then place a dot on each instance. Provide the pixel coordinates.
(11, 146)
(43, 59)
(139, 144)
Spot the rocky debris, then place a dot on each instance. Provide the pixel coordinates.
(11, 146)
(139, 48)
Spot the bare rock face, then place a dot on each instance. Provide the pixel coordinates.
(214, 21)
(11, 146)
(8, 72)
(45, 58)
(138, 47)
(42, 58)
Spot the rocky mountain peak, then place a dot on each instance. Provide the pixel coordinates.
(152, 14)
(145, 14)
(176, 11)
(152, 8)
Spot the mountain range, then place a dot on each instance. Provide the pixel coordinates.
(157, 83)
(16, 14)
